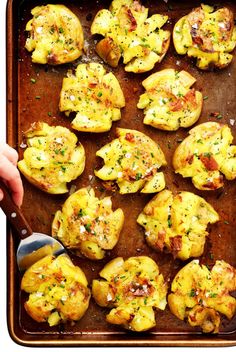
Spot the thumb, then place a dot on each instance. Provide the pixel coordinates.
(1, 195)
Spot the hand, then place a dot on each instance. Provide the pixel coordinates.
(10, 174)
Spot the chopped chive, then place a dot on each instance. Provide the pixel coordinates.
(88, 227)
(192, 293)
(138, 176)
(81, 213)
(169, 221)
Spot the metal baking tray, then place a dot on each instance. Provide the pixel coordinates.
(23, 108)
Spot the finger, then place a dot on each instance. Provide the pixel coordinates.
(10, 174)
(1, 195)
(17, 191)
(10, 153)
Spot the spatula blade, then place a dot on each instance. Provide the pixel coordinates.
(33, 248)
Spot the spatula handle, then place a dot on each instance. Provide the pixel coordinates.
(14, 214)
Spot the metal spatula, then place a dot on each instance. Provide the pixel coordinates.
(33, 246)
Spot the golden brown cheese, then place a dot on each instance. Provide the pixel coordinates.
(205, 155)
(52, 157)
(131, 34)
(132, 161)
(56, 36)
(134, 288)
(57, 290)
(178, 223)
(94, 95)
(169, 101)
(88, 225)
(200, 294)
(207, 35)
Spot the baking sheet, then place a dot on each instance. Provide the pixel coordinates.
(24, 107)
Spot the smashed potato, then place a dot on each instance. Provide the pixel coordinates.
(56, 36)
(205, 154)
(207, 35)
(177, 223)
(169, 101)
(200, 294)
(88, 225)
(95, 96)
(57, 290)
(132, 161)
(130, 34)
(52, 158)
(133, 288)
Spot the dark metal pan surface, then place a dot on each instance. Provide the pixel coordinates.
(24, 107)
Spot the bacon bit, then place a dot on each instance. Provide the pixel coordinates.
(196, 39)
(58, 276)
(189, 159)
(190, 97)
(165, 45)
(209, 162)
(218, 182)
(210, 185)
(176, 105)
(109, 186)
(130, 137)
(77, 287)
(131, 175)
(92, 84)
(194, 32)
(131, 317)
(192, 317)
(175, 244)
(95, 97)
(133, 23)
(139, 288)
(228, 26)
(214, 114)
(112, 289)
(146, 51)
(108, 103)
(160, 240)
(52, 59)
